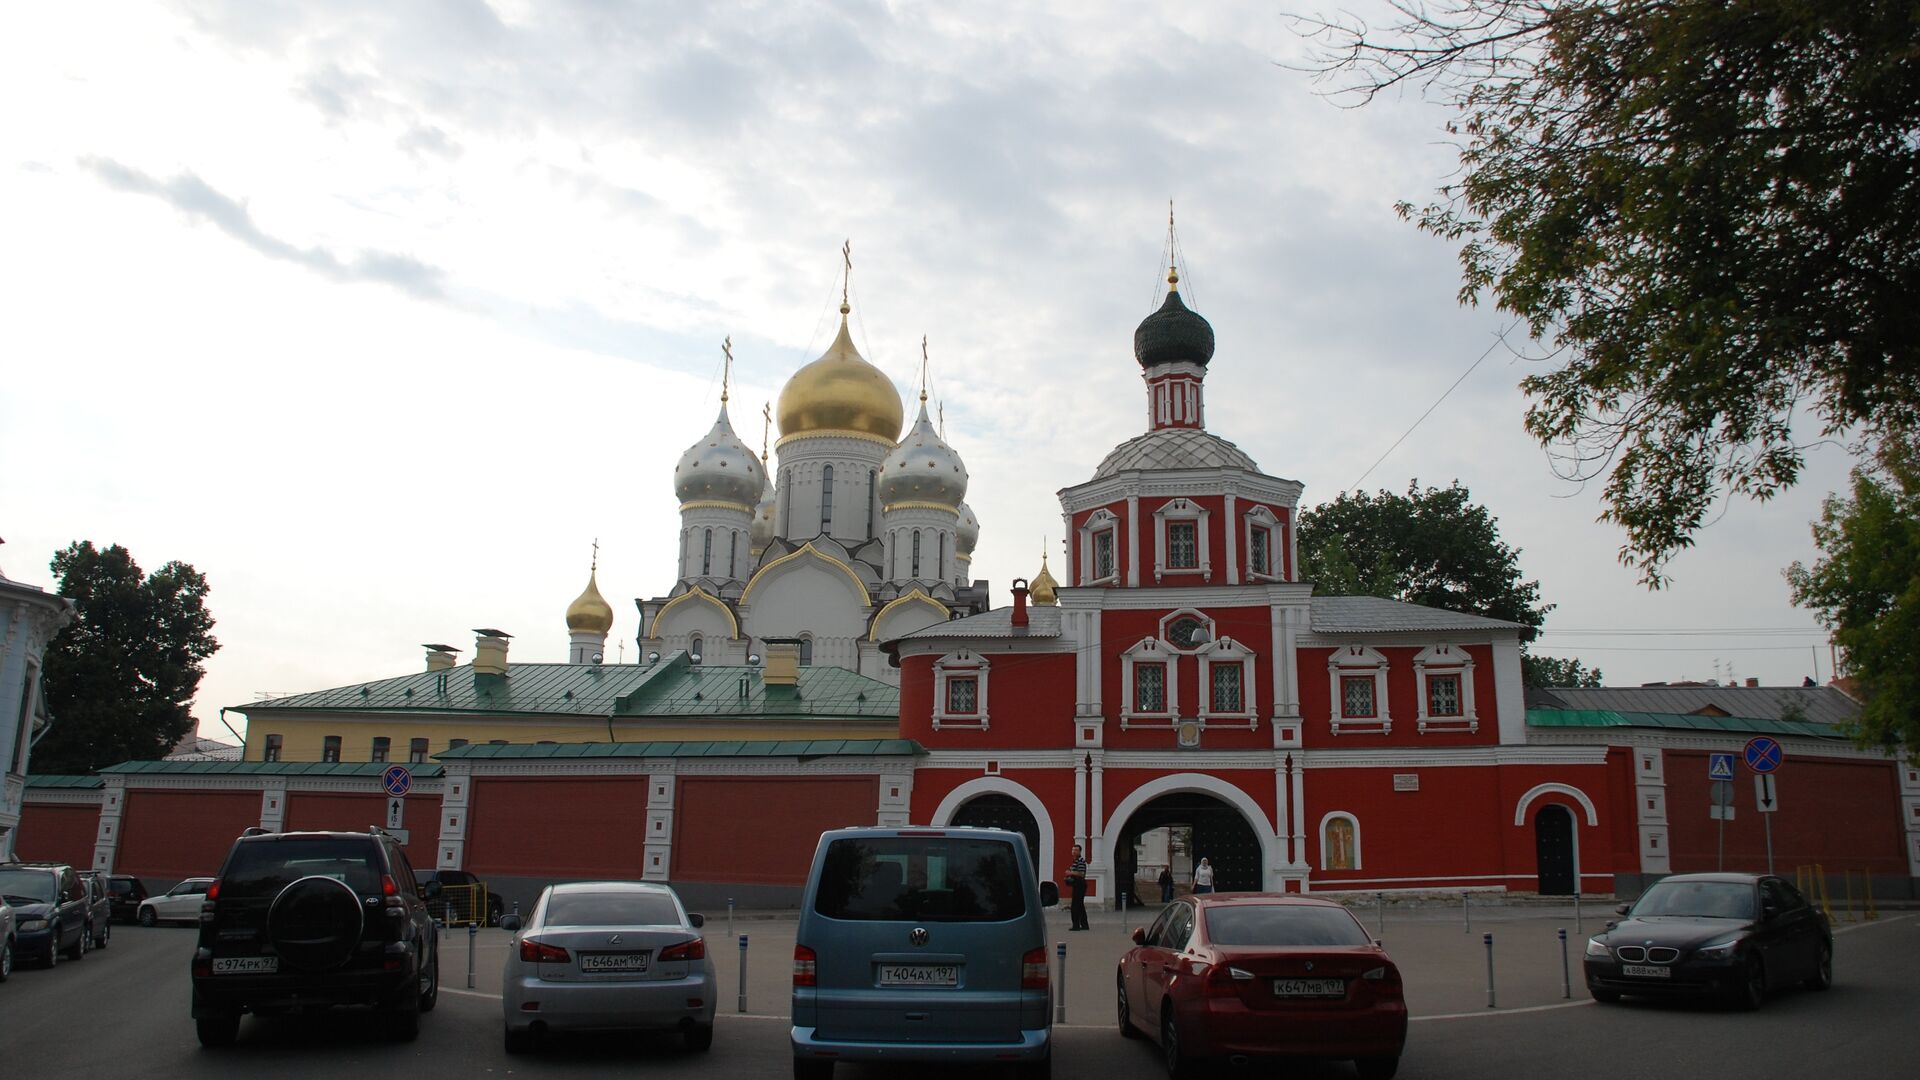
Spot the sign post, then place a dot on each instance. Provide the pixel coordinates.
(1763, 755)
(1720, 785)
(396, 781)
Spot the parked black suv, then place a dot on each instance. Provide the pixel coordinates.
(306, 920)
(127, 892)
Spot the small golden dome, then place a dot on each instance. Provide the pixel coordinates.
(841, 391)
(1043, 590)
(591, 614)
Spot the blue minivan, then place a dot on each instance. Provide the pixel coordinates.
(922, 944)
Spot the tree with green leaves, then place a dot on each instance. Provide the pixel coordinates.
(1866, 589)
(120, 678)
(1707, 212)
(1546, 672)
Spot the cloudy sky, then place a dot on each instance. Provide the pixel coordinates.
(379, 314)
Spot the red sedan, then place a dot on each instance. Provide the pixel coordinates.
(1239, 976)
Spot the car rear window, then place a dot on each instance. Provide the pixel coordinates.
(261, 870)
(27, 886)
(611, 909)
(927, 878)
(120, 886)
(1709, 899)
(1281, 925)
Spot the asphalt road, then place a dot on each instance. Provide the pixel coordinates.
(124, 1012)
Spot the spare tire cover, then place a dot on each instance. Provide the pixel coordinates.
(315, 923)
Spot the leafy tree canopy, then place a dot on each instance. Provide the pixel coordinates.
(120, 678)
(1545, 672)
(1708, 210)
(1866, 589)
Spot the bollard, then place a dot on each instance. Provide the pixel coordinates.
(742, 1005)
(1488, 939)
(1123, 906)
(1380, 913)
(1466, 909)
(1060, 1001)
(729, 916)
(1566, 973)
(473, 931)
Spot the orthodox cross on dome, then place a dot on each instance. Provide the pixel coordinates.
(846, 275)
(766, 426)
(726, 367)
(923, 369)
(1173, 251)
(595, 567)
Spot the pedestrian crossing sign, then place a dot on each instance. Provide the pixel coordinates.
(1719, 766)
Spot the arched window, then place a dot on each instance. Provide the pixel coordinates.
(733, 553)
(916, 553)
(806, 650)
(826, 498)
(785, 504)
(706, 554)
(872, 498)
(940, 568)
(696, 646)
(1339, 843)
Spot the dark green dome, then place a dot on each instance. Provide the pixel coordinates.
(1173, 335)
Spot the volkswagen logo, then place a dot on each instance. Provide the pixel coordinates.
(614, 940)
(919, 936)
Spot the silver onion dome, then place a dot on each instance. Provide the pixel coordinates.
(968, 533)
(760, 531)
(923, 469)
(720, 468)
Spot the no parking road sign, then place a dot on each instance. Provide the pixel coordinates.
(1763, 754)
(398, 780)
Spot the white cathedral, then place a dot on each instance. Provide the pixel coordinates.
(857, 536)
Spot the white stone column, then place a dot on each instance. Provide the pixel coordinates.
(113, 809)
(659, 842)
(456, 798)
(1650, 809)
(896, 799)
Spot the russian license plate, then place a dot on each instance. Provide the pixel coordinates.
(1646, 971)
(614, 961)
(246, 965)
(1309, 988)
(919, 975)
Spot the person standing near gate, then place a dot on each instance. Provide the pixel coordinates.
(1166, 884)
(1203, 877)
(1077, 882)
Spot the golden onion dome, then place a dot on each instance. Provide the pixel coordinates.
(1043, 589)
(590, 614)
(840, 392)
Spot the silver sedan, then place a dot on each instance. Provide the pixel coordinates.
(607, 956)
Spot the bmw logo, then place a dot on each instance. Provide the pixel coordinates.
(1309, 965)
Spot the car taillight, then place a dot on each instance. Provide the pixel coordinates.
(1034, 972)
(387, 887)
(213, 891)
(539, 952)
(1385, 979)
(1222, 980)
(805, 971)
(686, 950)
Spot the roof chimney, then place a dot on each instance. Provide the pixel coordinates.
(783, 662)
(490, 652)
(1752, 681)
(441, 657)
(1019, 604)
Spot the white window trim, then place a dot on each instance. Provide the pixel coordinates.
(961, 664)
(1228, 651)
(1329, 818)
(1262, 518)
(1171, 617)
(1183, 510)
(1355, 660)
(1099, 521)
(1154, 651)
(1446, 660)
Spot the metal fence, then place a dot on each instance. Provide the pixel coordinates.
(462, 905)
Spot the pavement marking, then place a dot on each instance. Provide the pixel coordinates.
(1499, 1012)
(469, 993)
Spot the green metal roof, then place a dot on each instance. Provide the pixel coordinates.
(273, 768)
(801, 748)
(673, 687)
(1605, 718)
(65, 782)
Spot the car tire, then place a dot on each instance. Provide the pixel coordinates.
(1822, 977)
(519, 1042)
(1179, 1066)
(147, 917)
(6, 958)
(430, 996)
(106, 935)
(1376, 1068)
(699, 1037)
(1604, 997)
(78, 950)
(217, 1030)
(1123, 1011)
(52, 957)
(812, 1069)
(1752, 989)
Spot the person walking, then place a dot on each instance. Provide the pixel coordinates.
(1077, 883)
(1166, 884)
(1203, 877)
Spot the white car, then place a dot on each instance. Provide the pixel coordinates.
(178, 904)
(607, 956)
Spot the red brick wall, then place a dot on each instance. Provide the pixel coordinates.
(565, 827)
(762, 830)
(1837, 812)
(179, 834)
(58, 832)
(354, 811)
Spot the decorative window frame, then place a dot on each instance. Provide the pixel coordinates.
(1171, 617)
(1358, 660)
(1099, 521)
(1149, 651)
(1328, 819)
(1261, 518)
(967, 665)
(1226, 651)
(1446, 660)
(1183, 510)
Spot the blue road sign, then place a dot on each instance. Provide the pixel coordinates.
(398, 780)
(1719, 766)
(1763, 754)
